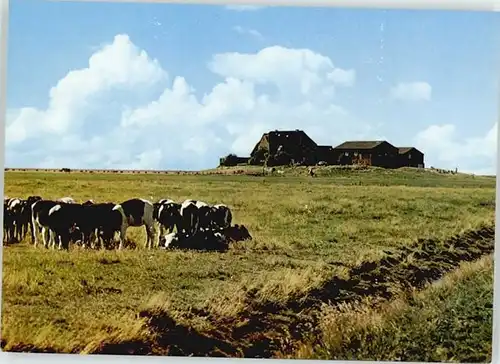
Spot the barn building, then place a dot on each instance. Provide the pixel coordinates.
(411, 157)
(378, 153)
(285, 147)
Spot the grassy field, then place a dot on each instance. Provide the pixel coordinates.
(348, 242)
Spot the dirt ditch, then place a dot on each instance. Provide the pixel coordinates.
(267, 328)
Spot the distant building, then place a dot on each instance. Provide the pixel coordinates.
(411, 157)
(284, 147)
(232, 160)
(287, 147)
(377, 153)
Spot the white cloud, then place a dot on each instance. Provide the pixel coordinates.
(413, 91)
(119, 65)
(297, 73)
(252, 32)
(94, 118)
(244, 7)
(444, 148)
(343, 77)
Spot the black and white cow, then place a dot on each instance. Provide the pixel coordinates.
(136, 212)
(203, 240)
(204, 212)
(168, 215)
(62, 220)
(99, 223)
(44, 215)
(8, 222)
(189, 219)
(27, 213)
(221, 217)
(14, 206)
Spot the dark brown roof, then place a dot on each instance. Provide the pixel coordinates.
(403, 150)
(285, 132)
(360, 144)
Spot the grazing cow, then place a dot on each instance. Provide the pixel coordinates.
(28, 213)
(40, 220)
(62, 220)
(14, 206)
(168, 215)
(171, 241)
(136, 212)
(99, 222)
(236, 233)
(204, 211)
(103, 221)
(189, 220)
(157, 205)
(221, 216)
(8, 222)
(202, 240)
(24, 218)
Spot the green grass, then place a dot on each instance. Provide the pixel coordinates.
(305, 230)
(449, 321)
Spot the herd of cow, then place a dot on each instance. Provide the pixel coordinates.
(188, 225)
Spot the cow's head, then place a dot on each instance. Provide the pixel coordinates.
(237, 233)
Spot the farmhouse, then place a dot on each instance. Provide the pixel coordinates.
(411, 157)
(371, 153)
(285, 147)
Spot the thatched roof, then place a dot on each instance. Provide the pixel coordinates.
(360, 144)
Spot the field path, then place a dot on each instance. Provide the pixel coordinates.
(269, 328)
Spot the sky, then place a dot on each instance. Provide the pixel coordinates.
(177, 86)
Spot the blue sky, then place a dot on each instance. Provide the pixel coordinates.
(170, 86)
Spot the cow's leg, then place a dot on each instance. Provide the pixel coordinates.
(90, 236)
(64, 240)
(16, 229)
(21, 230)
(34, 231)
(8, 233)
(53, 238)
(100, 239)
(161, 233)
(46, 235)
(8, 237)
(147, 244)
(123, 234)
(152, 233)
